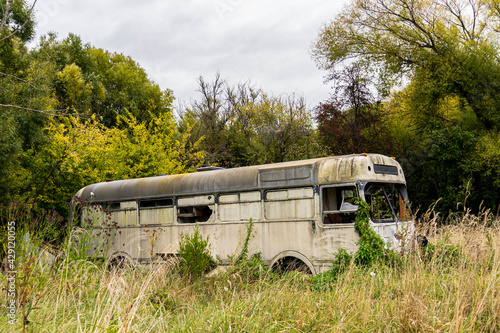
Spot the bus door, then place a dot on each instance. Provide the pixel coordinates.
(337, 216)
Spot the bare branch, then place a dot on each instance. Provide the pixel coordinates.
(25, 81)
(22, 26)
(412, 20)
(454, 9)
(5, 14)
(51, 113)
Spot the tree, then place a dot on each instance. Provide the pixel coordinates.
(16, 20)
(447, 46)
(437, 65)
(354, 120)
(284, 131)
(242, 125)
(19, 128)
(62, 79)
(91, 80)
(80, 153)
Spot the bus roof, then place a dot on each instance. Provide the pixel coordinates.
(327, 170)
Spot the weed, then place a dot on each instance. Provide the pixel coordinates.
(371, 245)
(343, 260)
(372, 249)
(244, 249)
(452, 286)
(194, 252)
(442, 254)
(153, 235)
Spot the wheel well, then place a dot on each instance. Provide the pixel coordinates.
(120, 260)
(291, 261)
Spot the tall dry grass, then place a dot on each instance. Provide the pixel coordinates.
(453, 288)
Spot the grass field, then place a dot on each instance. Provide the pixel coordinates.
(454, 287)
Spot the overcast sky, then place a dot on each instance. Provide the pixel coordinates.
(176, 41)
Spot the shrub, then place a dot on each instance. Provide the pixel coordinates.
(194, 252)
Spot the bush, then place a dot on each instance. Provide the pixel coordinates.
(341, 263)
(194, 252)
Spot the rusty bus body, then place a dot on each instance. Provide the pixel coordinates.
(301, 210)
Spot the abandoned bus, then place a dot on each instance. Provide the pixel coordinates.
(302, 211)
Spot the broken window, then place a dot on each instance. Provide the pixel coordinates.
(338, 204)
(195, 209)
(387, 202)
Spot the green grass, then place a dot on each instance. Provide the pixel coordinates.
(439, 290)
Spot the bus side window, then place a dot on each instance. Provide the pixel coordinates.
(240, 206)
(156, 211)
(292, 203)
(195, 209)
(338, 204)
(92, 216)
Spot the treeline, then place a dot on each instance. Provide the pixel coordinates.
(435, 66)
(412, 79)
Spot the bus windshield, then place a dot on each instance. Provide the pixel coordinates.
(387, 202)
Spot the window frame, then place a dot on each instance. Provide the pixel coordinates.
(338, 211)
(402, 194)
(239, 202)
(155, 201)
(145, 205)
(208, 204)
(266, 201)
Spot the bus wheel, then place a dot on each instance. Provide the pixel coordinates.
(290, 264)
(119, 263)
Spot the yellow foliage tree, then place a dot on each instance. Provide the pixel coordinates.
(82, 152)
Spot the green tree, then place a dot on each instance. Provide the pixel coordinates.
(21, 120)
(242, 125)
(95, 81)
(63, 78)
(284, 131)
(16, 20)
(84, 152)
(445, 47)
